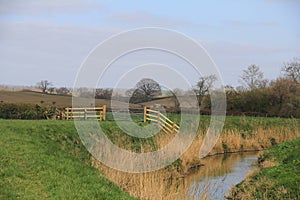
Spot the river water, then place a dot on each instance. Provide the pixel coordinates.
(221, 174)
(211, 181)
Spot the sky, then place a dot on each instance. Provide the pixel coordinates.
(49, 40)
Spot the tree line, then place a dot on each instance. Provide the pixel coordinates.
(258, 96)
(255, 96)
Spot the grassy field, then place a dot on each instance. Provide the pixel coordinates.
(46, 160)
(279, 176)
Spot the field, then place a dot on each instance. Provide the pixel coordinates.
(45, 159)
(49, 99)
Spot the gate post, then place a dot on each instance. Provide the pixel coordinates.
(145, 113)
(104, 113)
(84, 114)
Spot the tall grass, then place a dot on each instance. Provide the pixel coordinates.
(239, 134)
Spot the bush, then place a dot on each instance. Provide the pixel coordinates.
(25, 111)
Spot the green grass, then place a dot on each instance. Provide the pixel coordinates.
(46, 160)
(278, 182)
(287, 173)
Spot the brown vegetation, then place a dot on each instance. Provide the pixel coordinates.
(169, 182)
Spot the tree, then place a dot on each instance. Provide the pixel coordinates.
(292, 70)
(285, 97)
(43, 85)
(253, 78)
(203, 86)
(145, 88)
(103, 93)
(62, 90)
(51, 90)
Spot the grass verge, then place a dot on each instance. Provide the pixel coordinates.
(278, 179)
(46, 160)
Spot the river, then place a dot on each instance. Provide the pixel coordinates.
(211, 181)
(216, 182)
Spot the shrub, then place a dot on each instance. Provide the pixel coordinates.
(25, 111)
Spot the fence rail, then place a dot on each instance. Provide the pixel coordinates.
(163, 122)
(86, 113)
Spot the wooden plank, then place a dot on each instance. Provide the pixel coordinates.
(169, 120)
(77, 112)
(162, 128)
(155, 111)
(93, 108)
(168, 129)
(155, 120)
(150, 115)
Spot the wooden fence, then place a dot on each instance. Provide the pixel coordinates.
(86, 113)
(163, 122)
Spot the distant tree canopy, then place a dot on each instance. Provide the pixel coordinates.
(204, 84)
(103, 93)
(62, 90)
(44, 85)
(292, 69)
(253, 78)
(144, 89)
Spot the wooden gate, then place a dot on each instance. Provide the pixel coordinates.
(86, 113)
(163, 122)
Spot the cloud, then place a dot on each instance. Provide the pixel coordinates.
(33, 51)
(37, 7)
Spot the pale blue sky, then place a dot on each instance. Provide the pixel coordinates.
(48, 39)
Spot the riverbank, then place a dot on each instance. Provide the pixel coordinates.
(240, 134)
(46, 160)
(278, 176)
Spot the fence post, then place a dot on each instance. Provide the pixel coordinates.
(104, 112)
(84, 114)
(67, 113)
(145, 114)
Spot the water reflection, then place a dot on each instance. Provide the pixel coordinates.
(216, 183)
(211, 181)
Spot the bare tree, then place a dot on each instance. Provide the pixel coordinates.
(43, 85)
(205, 84)
(292, 69)
(253, 78)
(178, 91)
